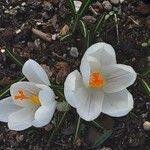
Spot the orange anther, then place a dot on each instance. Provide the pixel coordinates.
(96, 81)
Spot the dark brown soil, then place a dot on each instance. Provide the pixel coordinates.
(128, 132)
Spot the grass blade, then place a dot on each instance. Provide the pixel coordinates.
(85, 5)
(71, 4)
(83, 28)
(98, 125)
(77, 129)
(14, 58)
(88, 39)
(146, 86)
(58, 126)
(75, 23)
(4, 92)
(67, 36)
(99, 23)
(101, 139)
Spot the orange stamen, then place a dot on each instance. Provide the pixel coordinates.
(22, 96)
(96, 81)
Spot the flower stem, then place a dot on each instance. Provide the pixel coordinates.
(54, 131)
(77, 129)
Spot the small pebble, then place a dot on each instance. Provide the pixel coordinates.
(45, 15)
(115, 2)
(146, 126)
(47, 6)
(107, 5)
(74, 52)
(23, 4)
(121, 1)
(18, 31)
(54, 37)
(77, 5)
(3, 50)
(19, 138)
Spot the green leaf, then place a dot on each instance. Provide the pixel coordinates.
(63, 106)
(14, 57)
(66, 37)
(146, 86)
(102, 138)
(97, 125)
(85, 5)
(77, 129)
(88, 39)
(75, 23)
(71, 4)
(83, 28)
(4, 92)
(58, 126)
(99, 23)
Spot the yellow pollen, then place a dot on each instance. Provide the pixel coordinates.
(21, 96)
(96, 80)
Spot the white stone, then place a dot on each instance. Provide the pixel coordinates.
(115, 2)
(121, 1)
(54, 37)
(77, 5)
(107, 5)
(74, 52)
(146, 126)
(2, 50)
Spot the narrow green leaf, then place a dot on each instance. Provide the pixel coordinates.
(85, 5)
(77, 129)
(75, 23)
(146, 73)
(98, 125)
(71, 4)
(14, 57)
(102, 138)
(65, 37)
(88, 39)
(4, 92)
(99, 23)
(146, 86)
(83, 28)
(57, 128)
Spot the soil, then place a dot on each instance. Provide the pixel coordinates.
(18, 17)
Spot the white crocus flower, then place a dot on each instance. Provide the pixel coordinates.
(101, 86)
(31, 103)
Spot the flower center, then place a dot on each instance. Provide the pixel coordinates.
(21, 96)
(96, 80)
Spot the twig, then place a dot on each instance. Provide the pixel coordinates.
(60, 57)
(133, 20)
(93, 10)
(42, 35)
(117, 28)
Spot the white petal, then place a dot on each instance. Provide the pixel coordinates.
(89, 103)
(72, 83)
(44, 115)
(7, 106)
(118, 104)
(103, 52)
(21, 119)
(46, 97)
(118, 77)
(88, 65)
(28, 88)
(35, 73)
